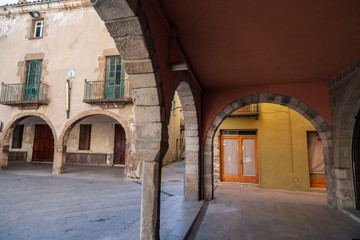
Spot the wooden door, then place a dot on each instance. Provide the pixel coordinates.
(43, 150)
(356, 160)
(119, 145)
(239, 159)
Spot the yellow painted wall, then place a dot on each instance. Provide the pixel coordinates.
(282, 145)
(173, 153)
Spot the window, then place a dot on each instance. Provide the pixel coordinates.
(174, 107)
(85, 136)
(18, 136)
(32, 81)
(114, 78)
(38, 29)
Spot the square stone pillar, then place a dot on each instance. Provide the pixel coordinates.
(150, 201)
(59, 159)
(4, 155)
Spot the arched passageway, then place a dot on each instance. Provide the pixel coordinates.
(306, 111)
(28, 138)
(269, 146)
(94, 138)
(184, 114)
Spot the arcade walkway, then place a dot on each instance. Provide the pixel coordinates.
(253, 213)
(100, 203)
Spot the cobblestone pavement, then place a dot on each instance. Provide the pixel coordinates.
(253, 213)
(88, 202)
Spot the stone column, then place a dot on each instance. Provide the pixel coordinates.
(151, 145)
(150, 201)
(59, 159)
(4, 155)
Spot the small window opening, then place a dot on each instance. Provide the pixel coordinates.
(85, 136)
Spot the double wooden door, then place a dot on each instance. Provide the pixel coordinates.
(239, 159)
(119, 145)
(43, 150)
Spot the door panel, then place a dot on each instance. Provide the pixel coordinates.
(119, 145)
(231, 156)
(248, 157)
(43, 150)
(239, 159)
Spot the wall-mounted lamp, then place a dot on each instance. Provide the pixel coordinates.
(179, 66)
(34, 14)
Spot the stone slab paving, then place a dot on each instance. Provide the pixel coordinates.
(251, 213)
(88, 202)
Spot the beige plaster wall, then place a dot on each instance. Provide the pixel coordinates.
(102, 138)
(71, 40)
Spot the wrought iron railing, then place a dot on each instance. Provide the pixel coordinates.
(24, 93)
(107, 91)
(252, 109)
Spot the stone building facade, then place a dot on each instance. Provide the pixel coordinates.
(64, 87)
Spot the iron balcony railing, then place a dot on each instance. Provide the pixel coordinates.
(252, 109)
(107, 91)
(22, 93)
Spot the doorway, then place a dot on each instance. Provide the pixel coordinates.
(43, 144)
(356, 160)
(119, 145)
(239, 161)
(316, 160)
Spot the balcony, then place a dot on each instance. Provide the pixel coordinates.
(249, 110)
(24, 95)
(108, 94)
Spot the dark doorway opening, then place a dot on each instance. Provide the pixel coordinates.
(119, 145)
(356, 160)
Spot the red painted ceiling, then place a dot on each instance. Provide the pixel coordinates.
(240, 42)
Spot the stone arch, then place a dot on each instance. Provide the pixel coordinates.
(5, 139)
(344, 91)
(127, 24)
(61, 160)
(184, 89)
(79, 117)
(305, 110)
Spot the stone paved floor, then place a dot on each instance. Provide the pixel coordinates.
(253, 213)
(88, 202)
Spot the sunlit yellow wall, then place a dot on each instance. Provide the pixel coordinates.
(282, 145)
(173, 153)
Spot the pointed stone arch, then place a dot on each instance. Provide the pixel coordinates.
(305, 110)
(5, 139)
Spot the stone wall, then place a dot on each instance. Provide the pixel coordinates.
(344, 91)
